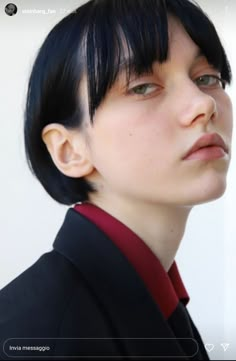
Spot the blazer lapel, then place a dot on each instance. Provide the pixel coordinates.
(131, 309)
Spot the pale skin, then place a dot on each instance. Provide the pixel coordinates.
(134, 151)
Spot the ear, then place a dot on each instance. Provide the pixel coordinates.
(68, 150)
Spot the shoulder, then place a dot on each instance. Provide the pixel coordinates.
(38, 296)
(50, 300)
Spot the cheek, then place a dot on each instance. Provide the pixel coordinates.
(225, 115)
(131, 142)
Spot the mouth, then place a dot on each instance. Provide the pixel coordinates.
(208, 146)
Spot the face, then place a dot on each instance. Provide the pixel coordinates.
(142, 130)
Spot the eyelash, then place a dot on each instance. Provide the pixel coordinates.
(218, 82)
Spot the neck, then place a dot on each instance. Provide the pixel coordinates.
(161, 227)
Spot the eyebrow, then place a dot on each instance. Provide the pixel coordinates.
(199, 54)
(126, 63)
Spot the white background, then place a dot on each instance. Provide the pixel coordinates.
(30, 219)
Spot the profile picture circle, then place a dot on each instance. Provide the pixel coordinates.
(10, 9)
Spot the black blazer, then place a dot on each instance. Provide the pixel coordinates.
(84, 299)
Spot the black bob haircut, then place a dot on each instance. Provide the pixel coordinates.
(92, 40)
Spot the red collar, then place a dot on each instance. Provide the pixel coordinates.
(167, 289)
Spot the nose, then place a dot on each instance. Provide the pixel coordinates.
(198, 107)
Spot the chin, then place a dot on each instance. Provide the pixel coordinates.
(211, 192)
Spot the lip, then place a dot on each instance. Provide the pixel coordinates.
(207, 140)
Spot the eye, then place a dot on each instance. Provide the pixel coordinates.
(210, 81)
(143, 89)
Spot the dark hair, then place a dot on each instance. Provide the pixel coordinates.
(92, 40)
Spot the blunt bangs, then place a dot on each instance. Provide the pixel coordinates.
(134, 33)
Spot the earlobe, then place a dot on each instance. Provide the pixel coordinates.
(68, 150)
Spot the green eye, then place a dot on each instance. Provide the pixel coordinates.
(140, 89)
(210, 81)
(143, 89)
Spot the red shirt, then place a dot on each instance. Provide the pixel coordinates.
(167, 289)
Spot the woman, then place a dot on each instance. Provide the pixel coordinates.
(127, 121)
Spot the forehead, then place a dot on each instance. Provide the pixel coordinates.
(180, 46)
